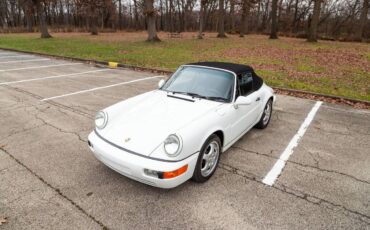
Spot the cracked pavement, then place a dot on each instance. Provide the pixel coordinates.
(48, 177)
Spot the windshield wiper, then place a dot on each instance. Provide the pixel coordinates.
(188, 94)
(217, 99)
(196, 95)
(212, 98)
(178, 92)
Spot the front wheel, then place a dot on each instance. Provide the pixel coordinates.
(208, 159)
(266, 116)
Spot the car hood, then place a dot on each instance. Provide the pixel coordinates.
(141, 126)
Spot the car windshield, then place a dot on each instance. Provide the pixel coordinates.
(201, 82)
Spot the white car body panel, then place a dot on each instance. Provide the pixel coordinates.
(152, 119)
(131, 165)
(133, 138)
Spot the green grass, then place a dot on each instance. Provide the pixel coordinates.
(336, 68)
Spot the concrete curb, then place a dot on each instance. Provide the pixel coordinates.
(292, 92)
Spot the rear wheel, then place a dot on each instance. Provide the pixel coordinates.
(208, 159)
(266, 116)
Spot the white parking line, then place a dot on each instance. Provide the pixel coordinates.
(10, 56)
(51, 77)
(39, 67)
(276, 170)
(98, 88)
(8, 52)
(19, 61)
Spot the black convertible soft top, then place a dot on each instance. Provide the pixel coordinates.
(235, 68)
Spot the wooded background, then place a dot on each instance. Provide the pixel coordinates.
(311, 19)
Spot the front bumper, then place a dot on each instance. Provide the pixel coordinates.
(133, 166)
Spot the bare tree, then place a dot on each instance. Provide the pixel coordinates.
(312, 33)
(244, 21)
(28, 13)
(92, 9)
(362, 23)
(274, 18)
(4, 15)
(221, 19)
(338, 19)
(136, 15)
(150, 14)
(201, 18)
(265, 14)
(120, 14)
(41, 15)
(232, 16)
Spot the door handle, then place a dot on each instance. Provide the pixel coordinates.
(258, 99)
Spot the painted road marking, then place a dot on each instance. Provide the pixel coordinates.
(52, 77)
(276, 170)
(98, 88)
(31, 60)
(39, 67)
(9, 56)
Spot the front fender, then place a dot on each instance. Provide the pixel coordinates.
(193, 137)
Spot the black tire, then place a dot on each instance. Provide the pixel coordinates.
(263, 123)
(198, 175)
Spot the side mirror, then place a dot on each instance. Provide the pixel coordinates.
(242, 101)
(161, 83)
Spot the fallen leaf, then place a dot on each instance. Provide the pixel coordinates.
(3, 220)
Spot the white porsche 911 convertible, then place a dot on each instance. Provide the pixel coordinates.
(177, 132)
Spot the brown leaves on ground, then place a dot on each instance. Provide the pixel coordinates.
(3, 220)
(327, 67)
(315, 61)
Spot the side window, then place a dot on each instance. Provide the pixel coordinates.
(245, 83)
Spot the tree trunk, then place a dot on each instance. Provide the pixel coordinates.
(221, 20)
(265, 16)
(161, 27)
(28, 14)
(312, 33)
(232, 17)
(120, 14)
(3, 23)
(29, 22)
(201, 18)
(171, 15)
(244, 22)
(3, 9)
(274, 23)
(12, 14)
(187, 13)
(136, 15)
(94, 24)
(180, 17)
(150, 15)
(42, 21)
(67, 18)
(362, 23)
(294, 23)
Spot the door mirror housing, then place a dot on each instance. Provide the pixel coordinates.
(161, 83)
(240, 101)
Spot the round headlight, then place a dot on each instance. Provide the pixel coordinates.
(172, 145)
(101, 119)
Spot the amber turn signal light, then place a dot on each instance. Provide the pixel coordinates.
(177, 172)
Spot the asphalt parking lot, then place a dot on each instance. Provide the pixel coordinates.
(49, 178)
